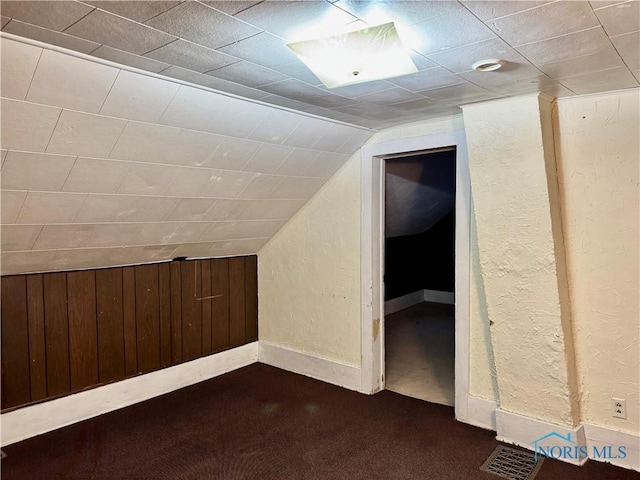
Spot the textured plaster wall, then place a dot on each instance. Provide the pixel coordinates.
(598, 150)
(518, 259)
(309, 273)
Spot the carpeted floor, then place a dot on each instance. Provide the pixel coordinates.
(263, 423)
(420, 352)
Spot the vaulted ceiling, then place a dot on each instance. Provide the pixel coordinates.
(140, 131)
(562, 48)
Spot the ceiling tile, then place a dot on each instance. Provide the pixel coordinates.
(231, 7)
(19, 237)
(227, 184)
(276, 126)
(226, 209)
(393, 95)
(63, 236)
(140, 10)
(360, 89)
(70, 82)
(191, 209)
(188, 182)
(596, 4)
(19, 62)
(51, 37)
(147, 179)
(325, 165)
(333, 138)
(297, 188)
(261, 229)
(215, 83)
(464, 92)
(261, 187)
(247, 73)
(271, 209)
(23, 262)
(565, 47)
(112, 234)
(442, 18)
(296, 69)
(282, 101)
(533, 25)
(297, 162)
(189, 232)
(47, 14)
(10, 205)
(3, 154)
(85, 135)
(461, 59)
(432, 78)
(155, 233)
(611, 79)
(93, 175)
(308, 132)
(293, 88)
(357, 140)
(233, 154)
(191, 56)
(263, 49)
(107, 29)
(215, 113)
(488, 10)
(329, 100)
(525, 85)
(4, 21)
(221, 231)
(603, 59)
(26, 126)
(267, 159)
(159, 144)
(620, 18)
(35, 171)
(130, 59)
(296, 20)
(628, 46)
(138, 97)
(509, 73)
(124, 208)
(43, 207)
(198, 23)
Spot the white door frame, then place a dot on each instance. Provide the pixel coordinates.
(372, 260)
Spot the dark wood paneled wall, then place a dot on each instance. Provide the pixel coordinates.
(67, 331)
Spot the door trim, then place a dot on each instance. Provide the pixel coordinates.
(372, 259)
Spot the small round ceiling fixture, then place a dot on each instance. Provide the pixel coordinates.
(488, 65)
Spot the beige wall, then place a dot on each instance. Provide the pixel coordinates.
(598, 155)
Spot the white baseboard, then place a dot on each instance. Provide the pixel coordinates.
(44, 417)
(523, 431)
(481, 413)
(396, 304)
(409, 300)
(599, 437)
(436, 296)
(347, 376)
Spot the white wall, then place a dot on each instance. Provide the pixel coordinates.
(598, 158)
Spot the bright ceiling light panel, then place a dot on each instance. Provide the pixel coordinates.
(356, 57)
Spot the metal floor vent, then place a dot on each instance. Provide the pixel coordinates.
(514, 464)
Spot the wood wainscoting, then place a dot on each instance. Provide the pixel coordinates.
(64, 332)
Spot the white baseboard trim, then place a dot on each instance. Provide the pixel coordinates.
(481, 413)
(599, 437)
(524, 431)
(44, 417)
(436, 296)
(396, 304)
(347, 376)
(409, 300)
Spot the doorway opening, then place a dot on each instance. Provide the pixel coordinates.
(419, 274)
(372, 257)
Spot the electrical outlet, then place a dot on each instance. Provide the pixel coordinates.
(619, 408)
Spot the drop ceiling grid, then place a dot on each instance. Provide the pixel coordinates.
(527, 28)
(139, 208)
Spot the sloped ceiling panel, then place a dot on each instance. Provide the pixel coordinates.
(103, 166)
(419, 192)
